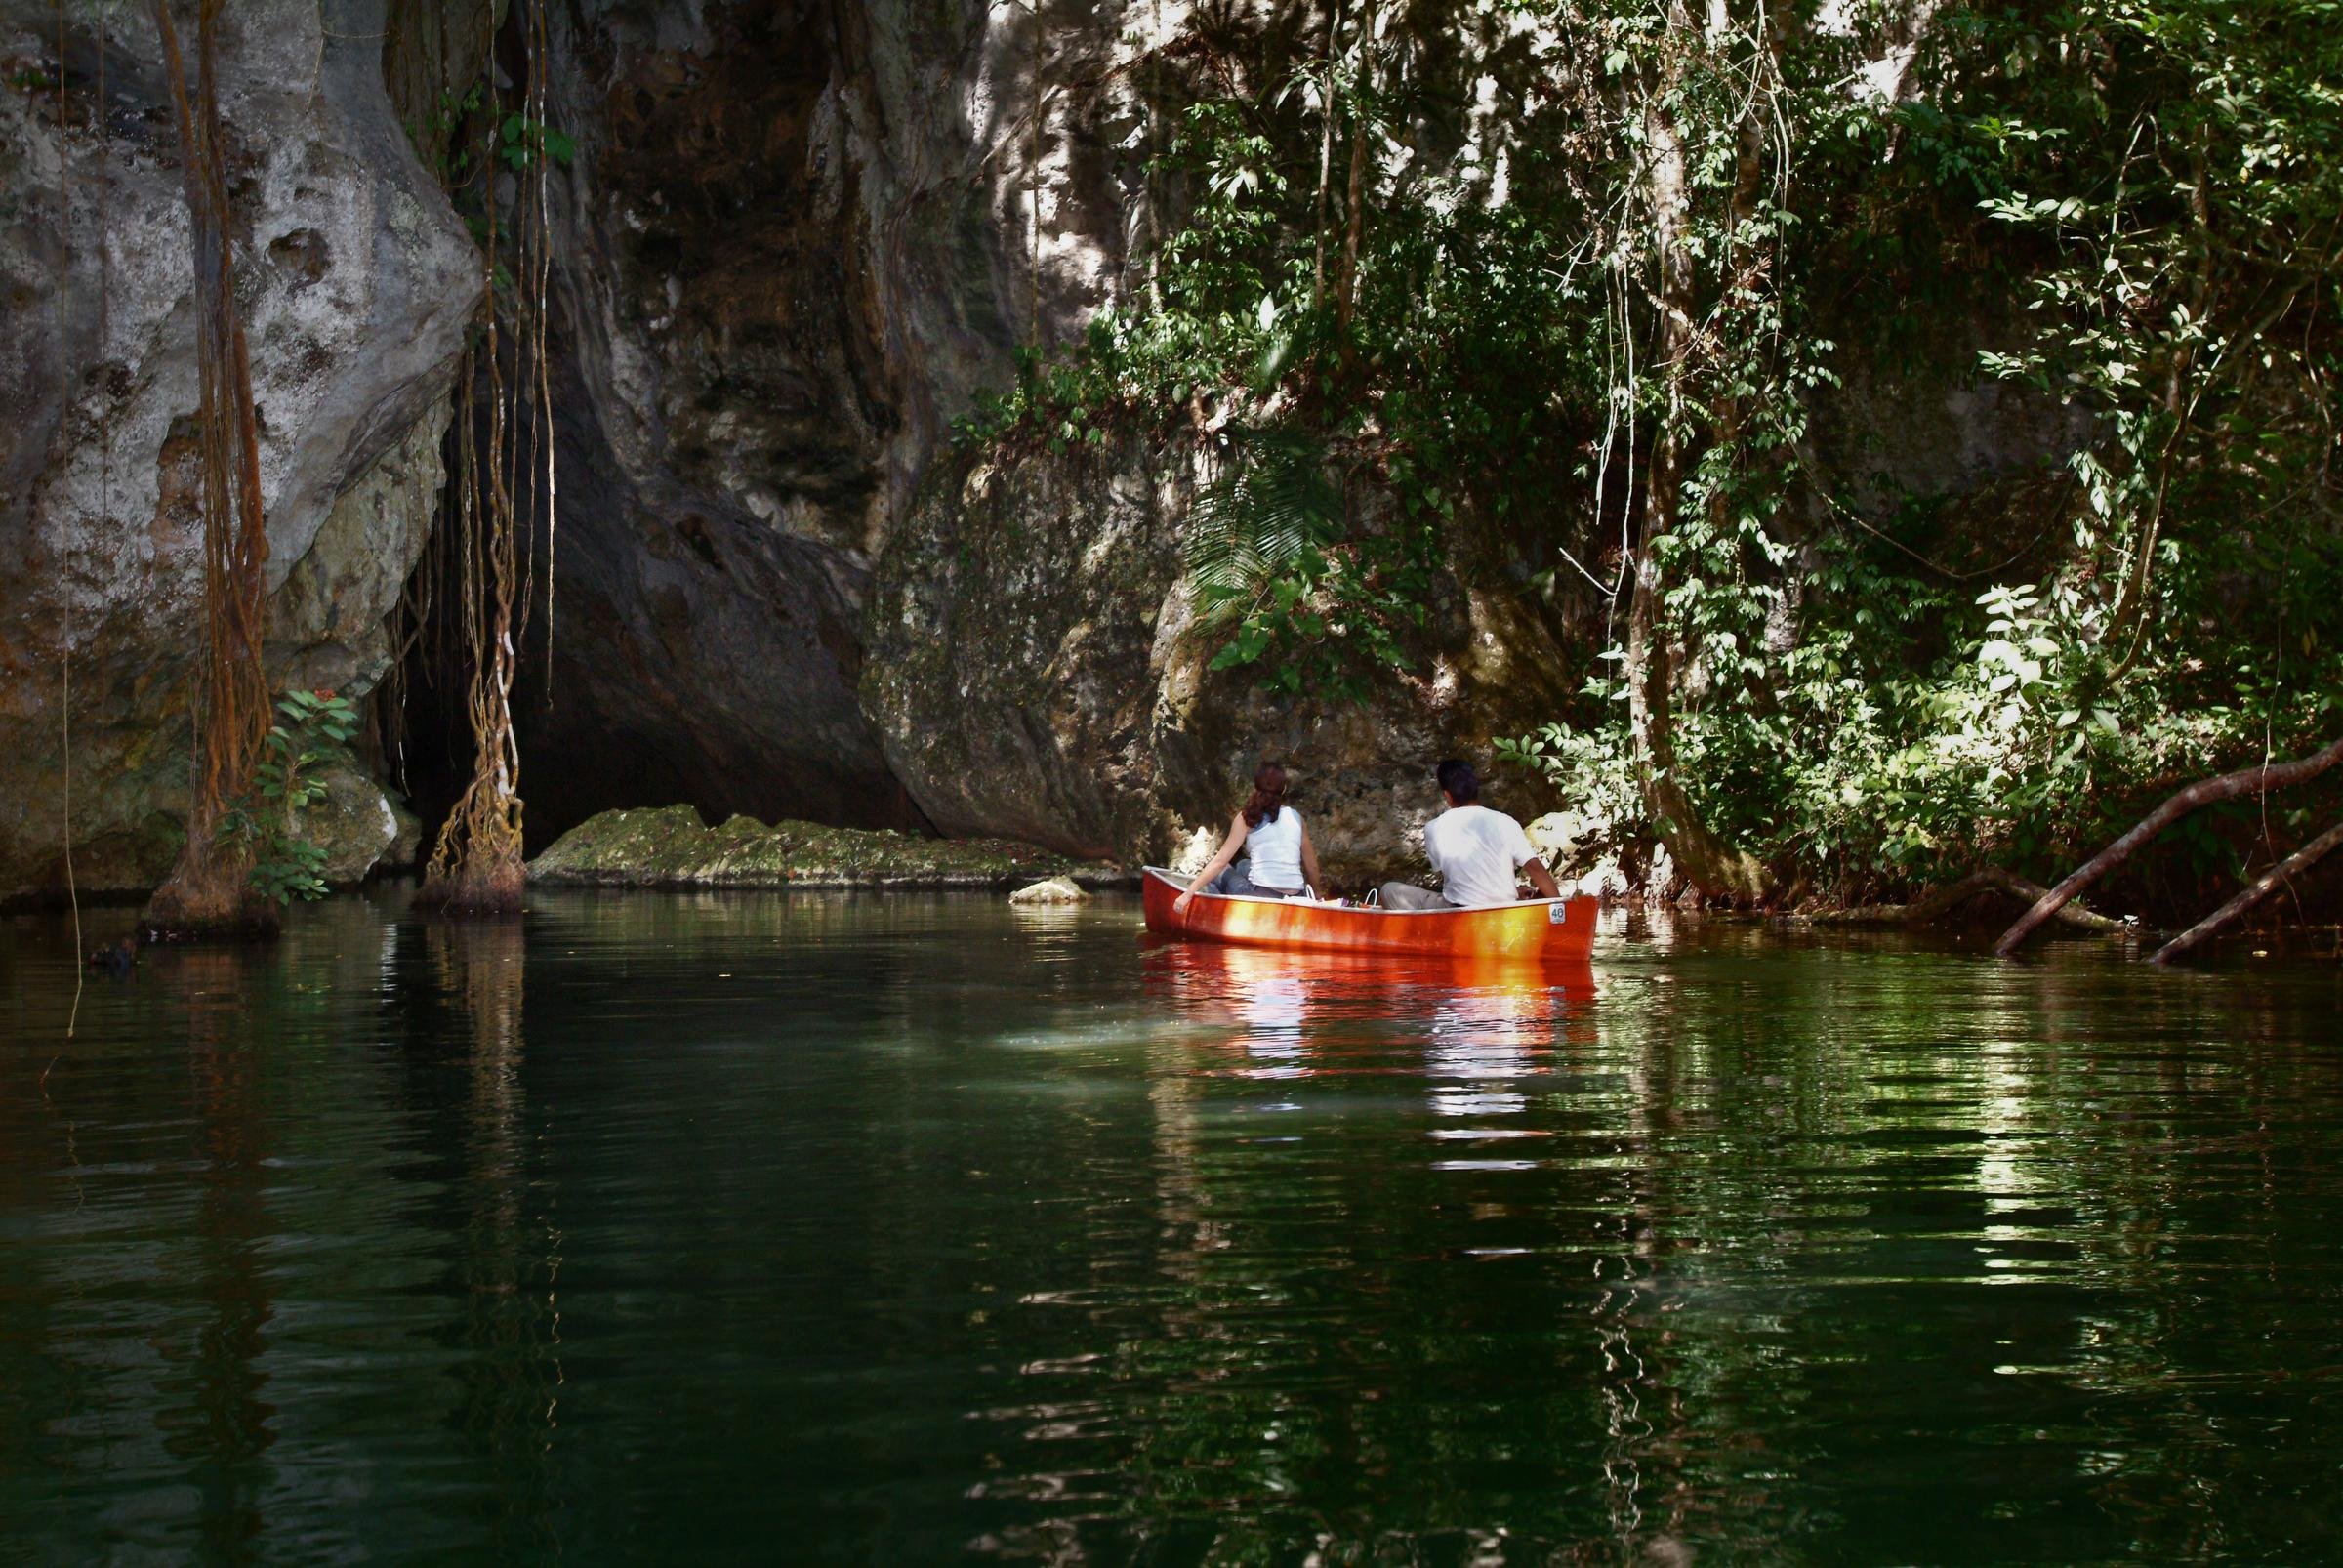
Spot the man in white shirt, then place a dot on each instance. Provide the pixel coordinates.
(1475, 850)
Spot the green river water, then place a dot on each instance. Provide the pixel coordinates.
(903, 1229)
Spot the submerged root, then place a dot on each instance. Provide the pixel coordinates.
(1938, 906)
(483, 892)
(2204, 792)
(208, 899)
(2280, 876)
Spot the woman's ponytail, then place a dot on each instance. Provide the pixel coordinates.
(1268, 795)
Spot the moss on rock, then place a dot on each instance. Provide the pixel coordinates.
(669, 847)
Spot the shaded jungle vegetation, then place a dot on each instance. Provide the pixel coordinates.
(1604, 292)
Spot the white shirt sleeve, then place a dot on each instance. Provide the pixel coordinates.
(1517, 844)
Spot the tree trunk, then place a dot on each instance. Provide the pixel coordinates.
(2279, 875)
(1354, 201)
(1326, 151)
(1033, 187)
(1721, 870)
(2204, 792)
(1718, 869)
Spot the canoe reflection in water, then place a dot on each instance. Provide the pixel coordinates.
(1482, 1021)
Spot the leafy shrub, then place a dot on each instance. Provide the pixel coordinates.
(314, 727)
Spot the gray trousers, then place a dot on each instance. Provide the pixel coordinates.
(1407, 896)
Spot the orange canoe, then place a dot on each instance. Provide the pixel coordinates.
(1541, 931)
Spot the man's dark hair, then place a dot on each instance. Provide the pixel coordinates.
(1455, 778)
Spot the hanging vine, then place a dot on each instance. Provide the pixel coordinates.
(503, 482)
(208, 892)
(64, 212)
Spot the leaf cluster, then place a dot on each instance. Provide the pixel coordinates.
(313, 728)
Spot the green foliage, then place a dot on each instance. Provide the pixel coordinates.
(1453, 363)
(1270, 559)
(2155, 191)
(1270, 507)
(436, 138)
(523, 141)
(313, 728)
(463, 139)
(2134, 204)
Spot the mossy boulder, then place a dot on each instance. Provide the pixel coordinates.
(669, 847)
(362, 826)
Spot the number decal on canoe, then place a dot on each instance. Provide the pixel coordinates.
(1554, 914)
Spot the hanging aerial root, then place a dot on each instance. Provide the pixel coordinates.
(476, 869)
(208, 895)
(501, 488)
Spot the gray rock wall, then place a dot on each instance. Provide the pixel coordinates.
(802, 236)
(355, 283)
(798, 239)
(1034, 665)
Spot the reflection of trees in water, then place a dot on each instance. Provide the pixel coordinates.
(159, 1199)
(223, 1426)
(1646, 1439)
(2190, 1139)
(1892, 1179)
(508, 1258)
(1285, 1394)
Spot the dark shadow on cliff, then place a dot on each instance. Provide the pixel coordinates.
(698, 657)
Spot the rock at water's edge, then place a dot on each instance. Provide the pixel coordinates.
(362, 826)
(1054, 891)
(669, 847)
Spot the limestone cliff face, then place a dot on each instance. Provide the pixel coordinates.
(355, 283)
(1035, 668)
(801, 237)
(797, 237)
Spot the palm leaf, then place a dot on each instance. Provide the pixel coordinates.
(1270, 503)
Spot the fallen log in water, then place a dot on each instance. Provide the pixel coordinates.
(2203, 793)
(2277, 876)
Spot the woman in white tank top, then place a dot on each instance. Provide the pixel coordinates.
(1282, 862)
